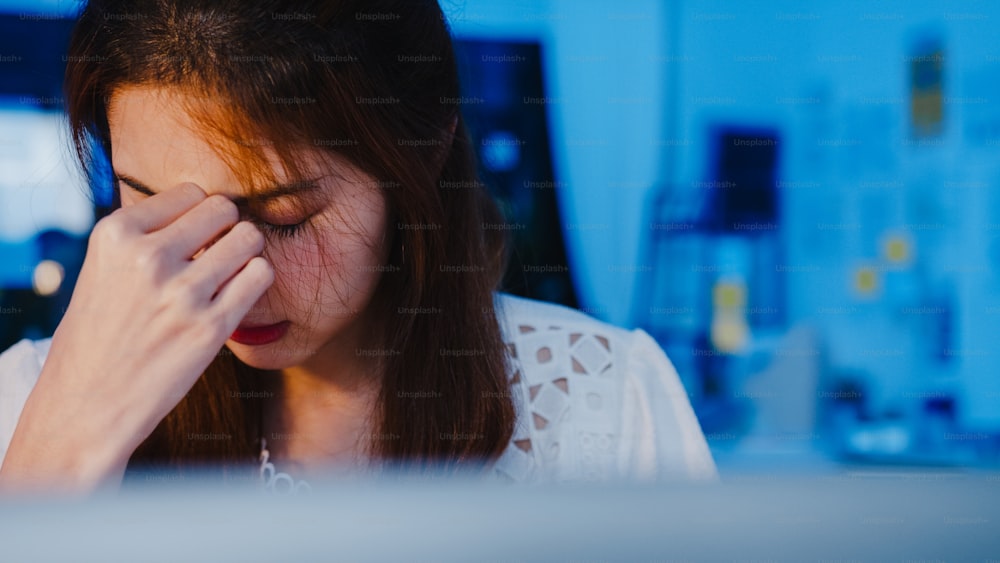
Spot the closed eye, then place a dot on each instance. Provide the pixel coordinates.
(279, 230)
(283, 231)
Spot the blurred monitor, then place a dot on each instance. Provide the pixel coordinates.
(744, 176)
(503, 101)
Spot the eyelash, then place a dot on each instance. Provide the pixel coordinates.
(282, 231)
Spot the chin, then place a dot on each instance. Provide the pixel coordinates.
(268, 357)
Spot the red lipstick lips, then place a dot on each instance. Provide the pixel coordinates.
(258, 335)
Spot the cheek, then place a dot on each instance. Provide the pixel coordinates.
(353, 239)
(336, 264)
(297, 253)
(299, 265)
(323, 283)
(321, 262)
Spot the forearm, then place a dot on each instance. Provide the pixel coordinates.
(62, 450)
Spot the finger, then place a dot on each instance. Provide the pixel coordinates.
(240, 293)
(200, 226)
(155, 212)
(223, 260)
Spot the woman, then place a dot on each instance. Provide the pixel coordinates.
(297, 275)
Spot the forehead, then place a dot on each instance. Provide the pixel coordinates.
(155, 139)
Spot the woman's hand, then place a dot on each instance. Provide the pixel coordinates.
(155, 301)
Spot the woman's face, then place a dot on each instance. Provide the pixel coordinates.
(325, 274)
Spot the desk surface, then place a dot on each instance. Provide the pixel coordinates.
(887, 515)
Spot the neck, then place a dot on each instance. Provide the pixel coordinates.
(322, 409)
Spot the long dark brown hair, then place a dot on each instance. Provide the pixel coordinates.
(361, 78)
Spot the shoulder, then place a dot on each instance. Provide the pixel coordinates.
(20, 366)
(596, 402)
(512, 309)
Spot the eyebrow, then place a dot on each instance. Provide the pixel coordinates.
(275, 192)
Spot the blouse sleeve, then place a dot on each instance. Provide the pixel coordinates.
(661, 437)
(20, 366)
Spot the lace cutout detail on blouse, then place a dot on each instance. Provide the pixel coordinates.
(277, 482)
(567, 419)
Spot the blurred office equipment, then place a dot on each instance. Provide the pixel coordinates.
(717, 288)
(883, 248)
(927, 65)
(504, 101)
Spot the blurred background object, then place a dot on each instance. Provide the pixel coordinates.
(860, 516)
(46, 211)
(505, 104)
(798, 201)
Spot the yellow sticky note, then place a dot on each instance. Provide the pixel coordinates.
(729, 295)
(897, 249)
(865, 280)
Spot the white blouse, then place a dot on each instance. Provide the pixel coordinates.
(595, 402)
